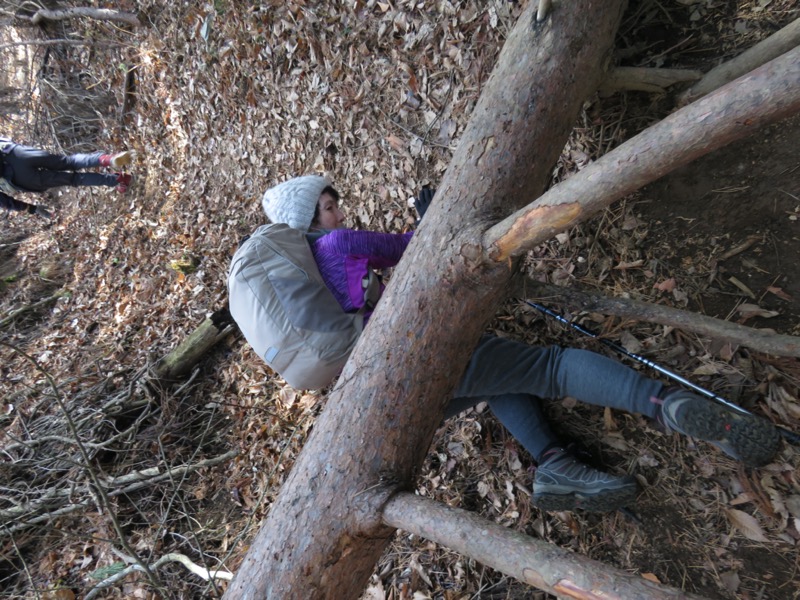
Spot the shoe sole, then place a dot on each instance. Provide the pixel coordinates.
(748, 438)
(121, 160)
(601, 502)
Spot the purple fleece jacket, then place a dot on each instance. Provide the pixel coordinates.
(344, 256)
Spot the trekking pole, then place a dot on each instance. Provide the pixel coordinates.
(789, 436)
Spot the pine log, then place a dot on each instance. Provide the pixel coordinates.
(778, 43)
(535, 562)
(759, 340)
(178, 363)
(764, 96)
(324, 533)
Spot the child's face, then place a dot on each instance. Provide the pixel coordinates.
(330, 217)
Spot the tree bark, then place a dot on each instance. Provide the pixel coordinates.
(778, 43)
(535, 562)
(764, 96)
(323, 534)
(760, 340)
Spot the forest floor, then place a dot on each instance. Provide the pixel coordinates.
(232, 98)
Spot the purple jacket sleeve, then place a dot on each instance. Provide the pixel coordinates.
(381, 250)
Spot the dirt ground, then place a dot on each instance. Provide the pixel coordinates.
(234, 97)
(747, 191)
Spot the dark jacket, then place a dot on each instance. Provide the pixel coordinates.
(10, 203)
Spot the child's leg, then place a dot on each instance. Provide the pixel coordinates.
(34, 158)
(40, 180)
(521, 414)
(500, 366)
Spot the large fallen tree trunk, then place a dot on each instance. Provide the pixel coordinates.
(324, 533)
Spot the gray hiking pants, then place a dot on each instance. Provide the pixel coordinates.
(512, 377)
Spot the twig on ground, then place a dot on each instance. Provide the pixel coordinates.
(167, 558)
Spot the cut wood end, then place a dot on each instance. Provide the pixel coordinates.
(533, 227)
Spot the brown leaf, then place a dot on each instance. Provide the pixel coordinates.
(779, 293)
(395, 142)
(749, 311)
(730, 580)
(746, 524)
(666, 286)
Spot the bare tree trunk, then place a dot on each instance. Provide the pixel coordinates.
(778, 43)
(324, 534)
(760, 340)
(535, 562)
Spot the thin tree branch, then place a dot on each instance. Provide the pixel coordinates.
(61, 42)
(643, 79)
(15, 313)
(98, 14)
(206, 574)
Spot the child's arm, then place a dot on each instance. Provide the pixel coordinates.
(382, 250)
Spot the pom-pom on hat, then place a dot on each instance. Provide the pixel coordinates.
(294, 201)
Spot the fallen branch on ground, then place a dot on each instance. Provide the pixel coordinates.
(30, 512)
(759, 340)
(98, 14)
(778, 43)
(22, 310)
(167, 558)
(535, 562)
(641, 79)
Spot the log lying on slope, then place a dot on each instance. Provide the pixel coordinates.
(760, 340)
(764, 96)
(778, 43)
(535, 562)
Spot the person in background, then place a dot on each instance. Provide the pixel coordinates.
(512, 377)
(27, 169)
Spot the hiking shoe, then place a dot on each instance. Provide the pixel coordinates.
(123, 182)
(562, 482)
(748, 438)
(116, 161)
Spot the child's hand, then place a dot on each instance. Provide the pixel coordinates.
(423, 200)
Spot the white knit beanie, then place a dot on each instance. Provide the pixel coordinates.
(293, 202)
